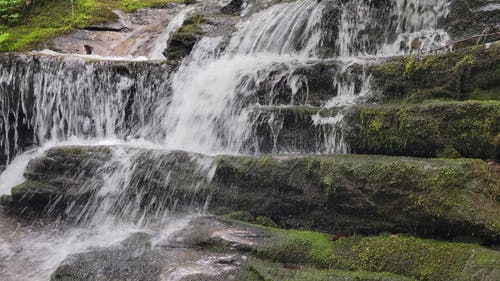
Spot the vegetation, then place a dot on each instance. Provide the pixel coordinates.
(429, 129)
(305, 255)
(361, 194)
(29, 26)
(468, 73)
(256, 269)
(183, 40)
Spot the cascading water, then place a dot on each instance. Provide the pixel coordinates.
(210, 104)
(213, 91)
(371, 28)
(209, 112)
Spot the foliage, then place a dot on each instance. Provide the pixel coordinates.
(9, 11)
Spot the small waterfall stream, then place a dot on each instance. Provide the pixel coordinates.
(160, 43)
(206, 105)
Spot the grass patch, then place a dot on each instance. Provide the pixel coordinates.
(133, 5)
(47, 20)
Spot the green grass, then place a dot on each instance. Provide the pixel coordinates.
(57, 17)
(132, 5)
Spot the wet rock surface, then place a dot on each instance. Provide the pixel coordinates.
(132, 35)
(211, 248)
(120, 84)
(207, 21)
(137, 259)
(402, 129)
(318, 192)
(381, 217)
(460, 75)
(468, 18)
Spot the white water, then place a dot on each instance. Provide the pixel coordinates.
(208, 112)
(206, 106)
(366, 31)
(162, 41)
(334, 137)
(32, 253)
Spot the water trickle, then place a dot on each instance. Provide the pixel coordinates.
(53, 98)
(371, 29)
(288, 28)
(162, 41)
(333, 134)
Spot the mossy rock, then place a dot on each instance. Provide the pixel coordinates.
(406, 257)
(470, 73)
(400, 129)
(363, 194)
(340, 194)
(417, 258)
(181, 42)
(425, 130)
(279, 254)
(257, 269)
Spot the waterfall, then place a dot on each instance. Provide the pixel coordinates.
(209, 106)
(211, 103)
(209, 111)
(404, 26)
(288, 28)
(62, 97)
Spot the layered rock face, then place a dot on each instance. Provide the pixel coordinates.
(306, 140)
(333, 193)
(411, 128)
(338, 194)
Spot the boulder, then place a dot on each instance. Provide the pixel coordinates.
(334, 193)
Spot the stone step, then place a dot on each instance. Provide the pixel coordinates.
(334, 193)
(464, 74)
(431, 129)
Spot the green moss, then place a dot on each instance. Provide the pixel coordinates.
(241, 216)
(293, 246)
(367, 194)
(48, 19)
(417, 258)
(256, 269)
(452, 75)
(426, 129)
(133, 5)
(448, 152)
(265, 221)
(190, 26)
(393, 256)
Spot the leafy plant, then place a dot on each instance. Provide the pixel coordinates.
(9, 11)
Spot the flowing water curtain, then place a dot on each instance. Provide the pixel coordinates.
(138, 187)
(212, 91)
(404, 26)
(56, 98)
